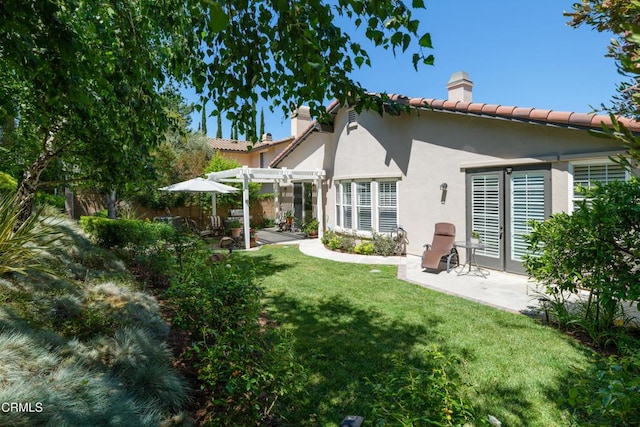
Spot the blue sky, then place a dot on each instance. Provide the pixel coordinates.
(516, 53)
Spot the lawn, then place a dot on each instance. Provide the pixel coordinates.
(348, 322)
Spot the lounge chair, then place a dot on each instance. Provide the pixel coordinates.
(442, 248)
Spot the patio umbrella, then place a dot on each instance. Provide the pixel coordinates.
(201, 185)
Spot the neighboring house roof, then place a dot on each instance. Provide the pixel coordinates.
(242, 146)
(520, 114)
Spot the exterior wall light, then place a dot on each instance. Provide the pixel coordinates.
(443, 197)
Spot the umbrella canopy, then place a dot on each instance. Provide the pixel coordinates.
(200, 185)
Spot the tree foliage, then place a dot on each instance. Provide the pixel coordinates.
(622, 18)
(596, 248)
(80, 81)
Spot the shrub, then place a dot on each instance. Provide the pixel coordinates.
(245, 369)
(595, 248)
(343, 241)
(57, 202)
(111, 233)
(364, 248)
(383, 244)
(21, 243)
(8, 184)
(419, 396)
(608, 394)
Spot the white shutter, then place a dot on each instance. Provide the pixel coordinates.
(485, 212)
(346, 205)
(527, 203)
(363, 206)
(338, 205)
(591, 174)
(387, 207)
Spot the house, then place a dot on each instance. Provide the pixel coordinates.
(483, 167)
(257, 156)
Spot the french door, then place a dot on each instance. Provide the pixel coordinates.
(501, 203)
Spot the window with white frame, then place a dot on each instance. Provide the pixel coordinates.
(387, 206)
(363, 206)
(367, 206)
(590, 174)
(343, 205)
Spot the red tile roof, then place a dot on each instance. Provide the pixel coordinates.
(239, 146)
(520, 114)
(535, 115)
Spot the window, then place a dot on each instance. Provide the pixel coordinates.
(387, 207)
(262, 160)
(343, 205)
(363, 205)
(367, 206)
(590, 174)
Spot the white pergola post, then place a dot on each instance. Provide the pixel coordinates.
(276, 198)
(214, 203)
(245, 206)
(276, 176)
(319, 210)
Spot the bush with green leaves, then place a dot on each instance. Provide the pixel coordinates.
(121, 233)
(364, 248)
(384, 244)
(595, 248)
(339, 241)
(408, 395)
(8, 184)
(608, 393)
(245, 367)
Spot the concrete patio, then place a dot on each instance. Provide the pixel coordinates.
(505, 291)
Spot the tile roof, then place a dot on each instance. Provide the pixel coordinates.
(520, 114)
(239, 146)
(534, 115)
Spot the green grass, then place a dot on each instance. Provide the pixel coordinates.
(348, 322)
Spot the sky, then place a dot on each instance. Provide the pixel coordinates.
(516, 52)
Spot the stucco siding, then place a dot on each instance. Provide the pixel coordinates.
(426, 149)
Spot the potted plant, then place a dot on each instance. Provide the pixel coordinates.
(311, 228)
(236, 228)
(288, 216)
(475, 237)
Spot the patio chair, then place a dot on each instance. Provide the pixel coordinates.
(217, 226)
(442, 248)
(193, 226)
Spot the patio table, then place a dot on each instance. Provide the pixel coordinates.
(471, 262)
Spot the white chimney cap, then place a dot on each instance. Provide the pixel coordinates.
(460, 87)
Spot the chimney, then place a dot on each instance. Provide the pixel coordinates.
(300, 120)
(266, 137)
(460, 87)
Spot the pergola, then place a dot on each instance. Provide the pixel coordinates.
(246, 175)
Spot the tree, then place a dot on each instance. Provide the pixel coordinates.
(203, 120)
(261, 123)
(85, 78)
(622, 18)
(219, 128)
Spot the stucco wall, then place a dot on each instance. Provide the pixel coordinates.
(426, 149)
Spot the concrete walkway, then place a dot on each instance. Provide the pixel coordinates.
(505, 291)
